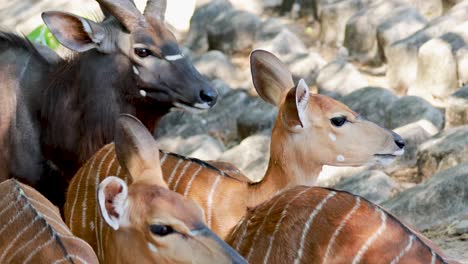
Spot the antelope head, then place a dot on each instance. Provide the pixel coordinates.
(143, 47)
(316, 128)
(151, 223)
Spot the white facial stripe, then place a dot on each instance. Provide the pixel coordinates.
(152, 247)
(340, 158)
(174, 57)
(332, 136)
(135, 70)
(143, 93)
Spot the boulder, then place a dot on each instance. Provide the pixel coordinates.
(371, 103)
(257, 116)
(219, 122)
(361, 31)
(333, 16)
(251, 156)
(222, 88)
(409, 109)
(202, 147)
(447, 149)
(332, 175)
(437, 74)
(215, 65)
(284, 44)
(438, 201)
(456, 113)
(374, 185)
(269, 29)
(339, 78)
(402, 55)
(233, 31)
(197, 37)
(400, 24)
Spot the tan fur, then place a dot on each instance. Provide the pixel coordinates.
(148, 203)
(32, 231)
(272, 232)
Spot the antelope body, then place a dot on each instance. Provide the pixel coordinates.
(134, 218)
(57, 112)
(32, 231)
(319, 225)
(304, 139)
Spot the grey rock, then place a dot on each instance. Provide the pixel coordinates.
(374, 185)
(439, 200)
(402, 55)
(409, 109)
(269, 29)
(215, 65)
(251, 156)
(339, 78)
(283, 44)
(461, 227)
(220, 86)
(456, 113)
(202, 147)
(447, 149)
(233, 31)
(219, 122)
(257, 116)
(371, 103)
(197, 37)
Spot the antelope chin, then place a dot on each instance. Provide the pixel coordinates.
(386, 159)
(195, 108)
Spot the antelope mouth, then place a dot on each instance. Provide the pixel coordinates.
(191, 108)
(395, 154)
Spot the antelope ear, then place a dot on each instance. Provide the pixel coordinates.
(295, 105)
(137, 151)
(74, 32)
(112, 196)
(270, 76)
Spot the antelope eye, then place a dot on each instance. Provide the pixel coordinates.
(161, 230)
(142, 52)
(338, 121)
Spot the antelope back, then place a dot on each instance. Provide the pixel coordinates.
(136, 210)
(319, 225)
(32, 231)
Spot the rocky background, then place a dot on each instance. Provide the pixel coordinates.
(400, 63)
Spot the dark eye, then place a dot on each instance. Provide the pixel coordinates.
(338, 121)
(161, 230)
(141, 52)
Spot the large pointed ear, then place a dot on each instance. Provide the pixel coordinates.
(295, 106)
(137, 151)
(270, 76)
(74, 32)
(113, 201)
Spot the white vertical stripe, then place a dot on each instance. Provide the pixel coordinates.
(174, 171)
(307, 226)
(181, 175)
(257, 232)
(371, 239)
(189, 184)
(100, 241)
(209, 205)
(34, 252)
(20, 212)
(278, 224)
(404, 251)
(164, 157)
(433, 259)
(356, 206)
(18, 235)
(21, 249)
(240, 239)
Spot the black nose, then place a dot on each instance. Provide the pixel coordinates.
(399, 141)
(208, 96)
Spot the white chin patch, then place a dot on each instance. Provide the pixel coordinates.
(399, 152)
(340, 158)
(135, 70)
(143, 93)
(202, 106)
(189, 109)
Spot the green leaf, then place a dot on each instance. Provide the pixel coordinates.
(42, 35)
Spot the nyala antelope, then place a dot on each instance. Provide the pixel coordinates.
(318, 225)
(32, 231)
(58, 112)
(134, 218)
(310, 131)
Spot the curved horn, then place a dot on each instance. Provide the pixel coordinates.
(155, 9)
(125, 11)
